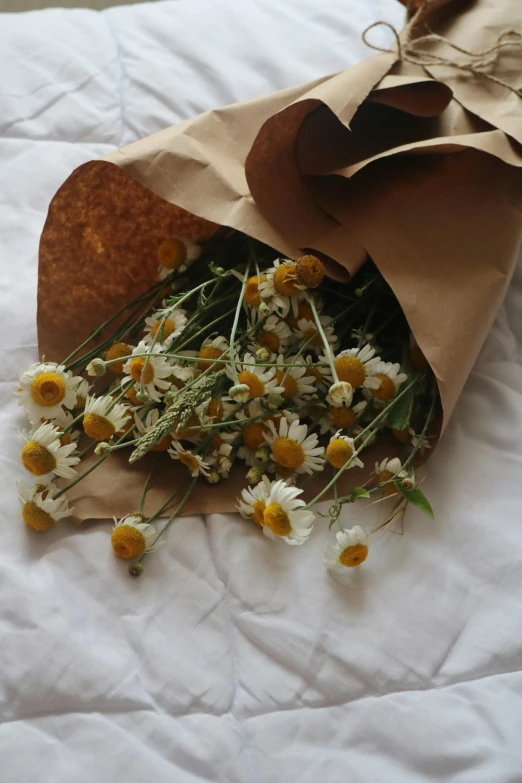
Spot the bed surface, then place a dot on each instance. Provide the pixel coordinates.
(232, 659)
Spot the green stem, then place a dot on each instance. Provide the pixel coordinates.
(235, 323)
(145, 488)
(327, 348)
(173, 515)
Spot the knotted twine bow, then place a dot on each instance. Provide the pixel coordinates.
(411, 50)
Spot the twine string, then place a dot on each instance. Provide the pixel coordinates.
(411, 50)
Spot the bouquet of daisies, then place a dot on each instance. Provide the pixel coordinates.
(236, 361)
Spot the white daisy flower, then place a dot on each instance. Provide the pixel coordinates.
(251, 296)
(261, 381)
(417, 441)
(176, 254)
(173, 326)
(341, 450)
(212, 348)
(297, 382)
(45, 389)
(306, 331)
(285, 515)
(252, 503)
(340, 394)
(389, 469)
(292, 447)
(345, 418)
(132, 536)
(146, 424)
(357, 366)
(157, 372)
(221, 452)
(193, 462)
(281, 288)
(82, 392)
(274, 334)
(42, 453)
(350, 550)
(390, 379)
(253, 433)
(100, 420)
(39, 509)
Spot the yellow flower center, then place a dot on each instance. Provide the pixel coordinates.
(206, 353)
(65, 440)
(172, 253)
(338, 452)
(215, 409)
(189, 460)
(98, 427)
(269, 340)
(314, 337)
(48, 389)
(128, 542)
(401, 435)
(283, 472)
(252, 297)
(386, 390)
(343, 418)
(164, 444)
(254, 383)
(187, 428)
(388, 489)
(258, 510)
(417, 358)
(303, 311)
(288, 453)
(316, 373)
(285, 281)
(136, 369)
(115, 352)
(309, 271)
(353, 555)
(131, 394)
(276, 519)
(36, 517)
(350, 369)
(290, 386)
(168, 327)
(253, 435)
(216, 443)
(37, 459)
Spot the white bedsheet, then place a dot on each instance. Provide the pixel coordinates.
(232, 659)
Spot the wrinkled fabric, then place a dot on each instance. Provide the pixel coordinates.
(234, 658)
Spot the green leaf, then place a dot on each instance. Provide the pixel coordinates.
(399, 416)
(416, 498)
(358, 492)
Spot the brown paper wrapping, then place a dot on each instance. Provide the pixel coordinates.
(419, 167)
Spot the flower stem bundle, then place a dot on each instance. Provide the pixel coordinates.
(238, 360)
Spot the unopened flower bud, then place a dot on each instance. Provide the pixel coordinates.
(254, 475)
(264, 309)
(408, 484)
(136, 569)
(358, 292)
(218, 270)
(341, 392)
(262, 454)
(240, 393)
(263, 355)
(213, 477)
(96, 368)
(274, 401)
(142, 396)
(102, 449)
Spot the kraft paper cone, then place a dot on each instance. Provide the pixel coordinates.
(419, 167)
